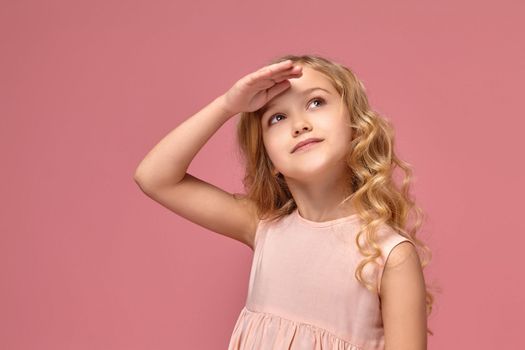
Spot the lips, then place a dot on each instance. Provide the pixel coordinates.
(305, 142)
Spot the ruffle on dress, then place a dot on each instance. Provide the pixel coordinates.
(265, 331)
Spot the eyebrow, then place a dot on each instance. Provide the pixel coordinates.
(270, 105)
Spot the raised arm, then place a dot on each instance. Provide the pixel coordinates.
(167, 162)
(162, 174)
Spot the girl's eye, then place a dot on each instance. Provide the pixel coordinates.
(318, 99)
(312, 100)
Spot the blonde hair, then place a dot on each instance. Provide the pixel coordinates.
(371, 162)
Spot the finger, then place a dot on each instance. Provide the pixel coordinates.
(288, 74)
(265, 79)
(280, 65)
(275, 68)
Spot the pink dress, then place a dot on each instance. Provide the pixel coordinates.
(302, 291)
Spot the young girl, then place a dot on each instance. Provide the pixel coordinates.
(334, 265)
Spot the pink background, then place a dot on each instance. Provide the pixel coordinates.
(87, 261)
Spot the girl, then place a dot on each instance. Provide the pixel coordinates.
(334, 265)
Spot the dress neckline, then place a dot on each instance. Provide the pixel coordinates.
(332, 222)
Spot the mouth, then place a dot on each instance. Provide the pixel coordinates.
(306, 145)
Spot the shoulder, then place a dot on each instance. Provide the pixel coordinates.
(393, 245)
(403, 271)
(402, 252)
(397, 252)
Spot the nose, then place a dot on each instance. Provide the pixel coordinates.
(300, 123)
(301, 126)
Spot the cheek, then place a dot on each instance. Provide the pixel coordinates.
(268, 144)
(342, 124)
(274, 150)
(275, 137)
(339, 133)
(277, 148)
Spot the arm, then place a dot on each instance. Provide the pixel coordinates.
(162, 173)
(162, 176)
(403, 297)
(167, 162)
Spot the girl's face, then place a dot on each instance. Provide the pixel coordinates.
(302, 112)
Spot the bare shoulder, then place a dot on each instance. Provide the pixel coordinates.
(401, 253)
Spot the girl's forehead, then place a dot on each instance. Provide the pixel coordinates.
(310, 75)
(310, 81)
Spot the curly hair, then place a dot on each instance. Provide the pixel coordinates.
(371, 161)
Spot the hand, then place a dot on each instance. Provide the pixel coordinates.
(254, 90)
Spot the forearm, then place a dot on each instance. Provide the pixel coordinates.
(168, 161)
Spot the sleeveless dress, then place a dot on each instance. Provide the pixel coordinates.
(302, 292)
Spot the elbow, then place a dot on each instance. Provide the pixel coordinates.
(140, 181)
(139, 175)
(143, 185)
(136, 178)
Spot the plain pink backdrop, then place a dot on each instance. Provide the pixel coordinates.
(87, 261)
